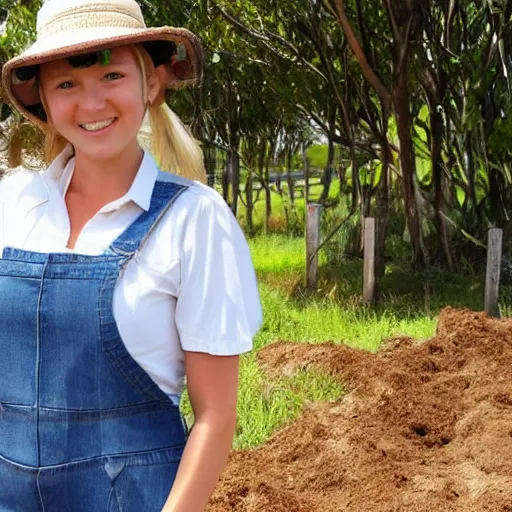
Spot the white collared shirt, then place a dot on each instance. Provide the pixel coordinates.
(191, 287)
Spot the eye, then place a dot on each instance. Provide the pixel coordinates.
(65, 85)
(113, 76)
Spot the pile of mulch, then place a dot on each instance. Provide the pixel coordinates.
(423, 427)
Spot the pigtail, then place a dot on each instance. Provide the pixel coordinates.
(172, 145)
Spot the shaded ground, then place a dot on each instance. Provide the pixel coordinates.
(424, 427)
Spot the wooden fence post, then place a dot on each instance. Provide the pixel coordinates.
(369, 281)
(313, 214)
(492, 276)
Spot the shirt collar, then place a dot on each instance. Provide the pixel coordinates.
(61, 171)
(142, 187)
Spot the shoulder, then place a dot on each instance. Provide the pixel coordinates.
(19, 182)
(198, 222)
(36, 182)
(203, 198)
(197, 199)
(191, 228)
(18, 179)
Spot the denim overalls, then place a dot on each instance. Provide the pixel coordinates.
(82, 426)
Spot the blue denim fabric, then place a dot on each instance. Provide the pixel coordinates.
(82, 426)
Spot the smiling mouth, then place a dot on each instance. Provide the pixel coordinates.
(100, 125)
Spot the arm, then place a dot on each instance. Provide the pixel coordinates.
(212, 383)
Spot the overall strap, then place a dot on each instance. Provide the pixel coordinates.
(163, 197)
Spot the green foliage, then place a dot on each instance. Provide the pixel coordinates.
(499, 140)
(277, 69)
(317, 155)
(20, 27)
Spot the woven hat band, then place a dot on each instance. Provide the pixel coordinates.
(90, 16)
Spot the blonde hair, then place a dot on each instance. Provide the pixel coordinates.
(172, 145)
(54, 143)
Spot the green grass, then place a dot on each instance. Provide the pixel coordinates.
(278, 254)
(313, 321)
(264, 405)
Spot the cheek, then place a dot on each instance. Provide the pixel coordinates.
(58, 110)
(131, 105)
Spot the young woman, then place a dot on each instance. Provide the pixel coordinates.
(117, 279)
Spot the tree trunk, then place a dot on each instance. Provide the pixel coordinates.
(342, 174)
(328, 171)
(496, 188)
(289, 180)
(356, 182)
(469, 162)
(234, 175)
(268, 200)
(382, 203)
(226, 180)
(436, 129)
(305, 159)
(210, 155)
(291, 189)
(408, 166)
(366, 200)
(264, 168)
(249, 202)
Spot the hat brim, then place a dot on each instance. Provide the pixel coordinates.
(83, 41)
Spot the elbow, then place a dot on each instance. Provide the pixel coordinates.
(222, 422)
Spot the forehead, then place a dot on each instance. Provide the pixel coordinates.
(121, 55)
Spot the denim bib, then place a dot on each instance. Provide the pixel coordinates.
(82, 426)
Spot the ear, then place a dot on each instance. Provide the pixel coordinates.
(156, 85)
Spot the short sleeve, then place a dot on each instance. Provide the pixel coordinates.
(218, 308)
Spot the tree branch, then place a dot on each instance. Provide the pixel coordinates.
(266, 38)
(392, 20)
(367, 70)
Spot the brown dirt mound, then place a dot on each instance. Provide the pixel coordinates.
(424, 427)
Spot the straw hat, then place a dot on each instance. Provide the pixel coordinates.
(68, 28)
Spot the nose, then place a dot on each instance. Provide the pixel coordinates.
(93, 97)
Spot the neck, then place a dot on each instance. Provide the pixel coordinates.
(105, 180)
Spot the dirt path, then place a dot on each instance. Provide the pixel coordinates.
(424, 428)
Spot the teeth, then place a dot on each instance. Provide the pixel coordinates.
(93, 127)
